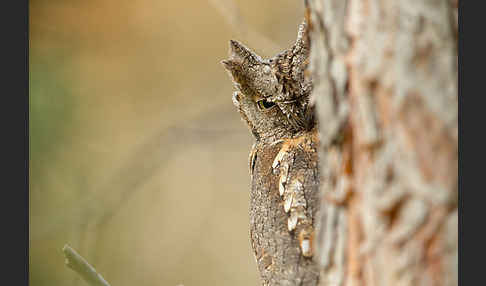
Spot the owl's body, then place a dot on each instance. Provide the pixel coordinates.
(283, 201)
(273, 99)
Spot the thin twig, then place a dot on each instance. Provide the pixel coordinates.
(79, 265)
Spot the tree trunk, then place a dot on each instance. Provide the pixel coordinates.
(385, 87)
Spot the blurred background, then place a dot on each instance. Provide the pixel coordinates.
(138, 158)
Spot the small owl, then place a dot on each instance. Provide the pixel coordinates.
(273, 99)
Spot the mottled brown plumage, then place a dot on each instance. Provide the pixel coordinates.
(273, 99)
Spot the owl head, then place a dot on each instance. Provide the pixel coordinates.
(272, 94)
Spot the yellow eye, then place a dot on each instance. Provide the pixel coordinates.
(264, 104)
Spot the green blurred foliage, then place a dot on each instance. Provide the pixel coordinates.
(51, 110)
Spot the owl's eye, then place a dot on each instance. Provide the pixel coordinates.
(264, 104)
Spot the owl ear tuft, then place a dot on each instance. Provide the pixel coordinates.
(242, 53)
(236, 71)
(233, 66)
(302, 35)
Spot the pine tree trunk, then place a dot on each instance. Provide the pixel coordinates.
(385, 86)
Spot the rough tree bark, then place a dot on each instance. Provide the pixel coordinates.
(385, 86)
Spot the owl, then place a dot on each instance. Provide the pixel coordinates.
(272, 97)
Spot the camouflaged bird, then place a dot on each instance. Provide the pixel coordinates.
(273, 99)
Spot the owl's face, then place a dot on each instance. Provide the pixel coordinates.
(272, 95)
(264, 118)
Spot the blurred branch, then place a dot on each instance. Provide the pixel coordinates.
(79, 265)
(230, 12)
